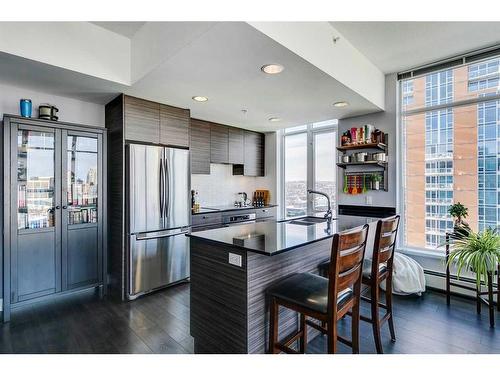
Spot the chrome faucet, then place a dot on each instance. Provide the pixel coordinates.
(328, 215)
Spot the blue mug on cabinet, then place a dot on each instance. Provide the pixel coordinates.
(25, 106)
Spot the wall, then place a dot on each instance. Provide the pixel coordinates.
(385, 121)
(70, 110)
(221, 187)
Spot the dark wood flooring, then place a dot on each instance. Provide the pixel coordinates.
(159, 323)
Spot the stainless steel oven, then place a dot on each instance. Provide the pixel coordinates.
(238, 218)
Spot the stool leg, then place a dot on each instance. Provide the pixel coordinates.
(375, 318)
(355, 327)
(303, 329)
(388, 301)
(332, 335)
(491, 309)
(273, 327)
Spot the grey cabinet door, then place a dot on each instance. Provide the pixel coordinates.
(174, 126)
(254, 154)
(35, 246)
(81, 210)
(142, 120)
(219, 144)
(200, 147)
(236, 146)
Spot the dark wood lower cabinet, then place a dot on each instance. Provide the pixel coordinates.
(229, 310)
(54, 224)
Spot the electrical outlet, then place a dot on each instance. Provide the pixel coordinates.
(369, 200)
(235, 259)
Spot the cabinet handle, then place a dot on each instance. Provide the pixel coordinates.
(64, 207)
(57, 207)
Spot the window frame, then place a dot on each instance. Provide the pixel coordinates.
(310, 131)
(401, 146)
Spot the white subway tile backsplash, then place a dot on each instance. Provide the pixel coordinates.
(221, 187)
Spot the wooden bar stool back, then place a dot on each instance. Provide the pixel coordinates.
(322, 299)
(381, 269)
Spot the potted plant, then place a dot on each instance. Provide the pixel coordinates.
(477, 252)
(459, 212)
(376, 178)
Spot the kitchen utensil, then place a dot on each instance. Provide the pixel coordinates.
(379, 156)
(48, 112)
(345, 184)
(350, 185)
(53, 113)
(25, 107)
(361, 157)
(364, 185)
(344, 158)
(354, 187)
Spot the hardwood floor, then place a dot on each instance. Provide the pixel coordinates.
(159, 323)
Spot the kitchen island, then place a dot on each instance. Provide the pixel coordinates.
(232, 267)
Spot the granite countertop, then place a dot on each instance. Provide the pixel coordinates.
(274, 237)
(208, 210)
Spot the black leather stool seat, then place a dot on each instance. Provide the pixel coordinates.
(307, 290)
(367, 268)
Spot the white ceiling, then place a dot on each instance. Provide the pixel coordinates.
(398, 46)
(221, 61)
(224, 65)
(126, 29)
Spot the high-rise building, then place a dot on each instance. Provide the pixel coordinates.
(451, 152)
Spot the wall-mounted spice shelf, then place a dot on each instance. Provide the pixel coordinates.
(382, 164)
(363, 146)
(373, 166)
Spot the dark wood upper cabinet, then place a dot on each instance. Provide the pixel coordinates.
(200, 147)
(174, 126)
(253, 164)
(219, 144)
(142, 120)
(236, 146)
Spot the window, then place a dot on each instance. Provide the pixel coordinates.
(451, 151)
(308, 161)
(296, 174)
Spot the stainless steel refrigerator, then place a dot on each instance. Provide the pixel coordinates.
(158, 217)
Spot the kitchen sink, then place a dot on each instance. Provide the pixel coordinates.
(308, 220)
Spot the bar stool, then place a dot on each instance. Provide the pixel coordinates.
(324, 299)
(374, 273)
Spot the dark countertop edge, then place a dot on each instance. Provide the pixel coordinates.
(190, 235)
(214, 210)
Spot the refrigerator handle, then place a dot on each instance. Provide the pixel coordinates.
(161, 187)
(167, 187)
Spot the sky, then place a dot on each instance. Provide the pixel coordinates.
(296, 157)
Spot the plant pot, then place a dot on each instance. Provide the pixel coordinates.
(376, 185)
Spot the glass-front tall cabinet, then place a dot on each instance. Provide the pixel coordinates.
(54, 224)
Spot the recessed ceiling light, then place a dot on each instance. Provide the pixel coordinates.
(340, 104)
(200, 98)
(274, 119)
(272, 68)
